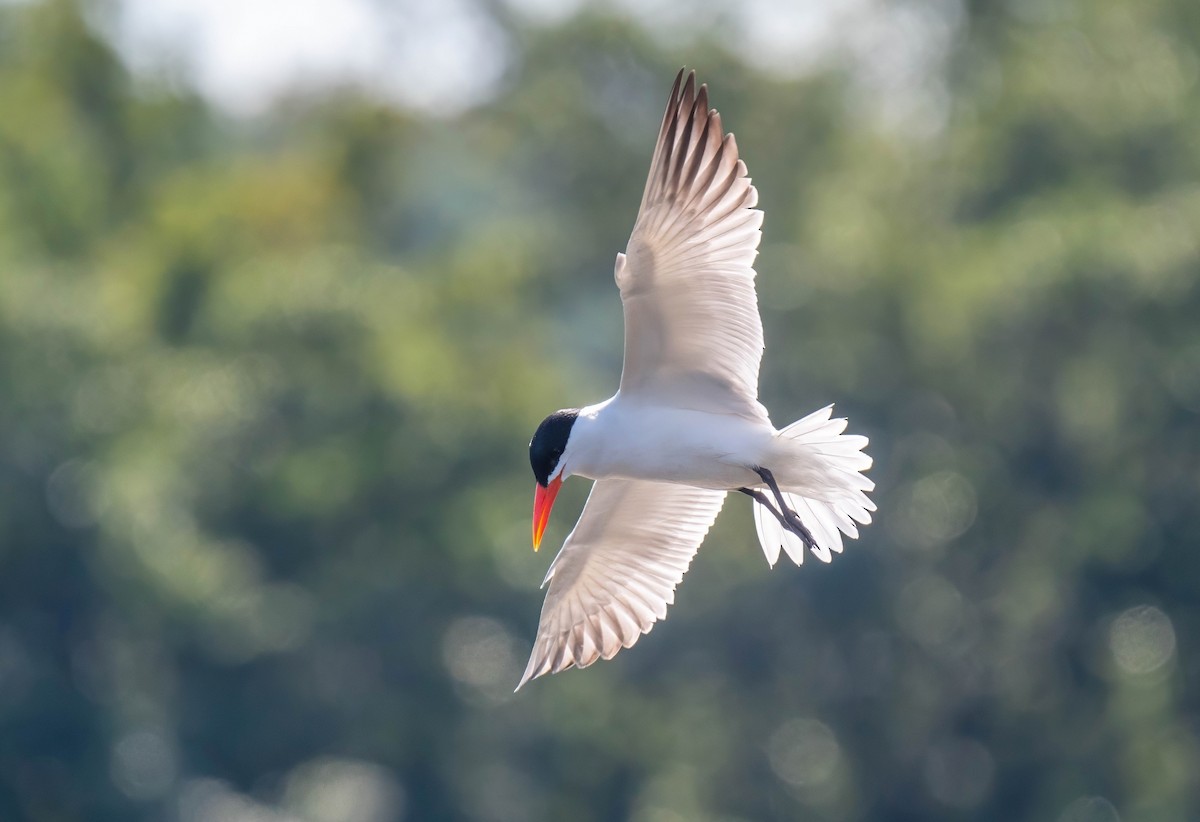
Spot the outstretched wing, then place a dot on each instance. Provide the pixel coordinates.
(693, 336)
(616, 573)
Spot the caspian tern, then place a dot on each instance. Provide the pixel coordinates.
(685, 426)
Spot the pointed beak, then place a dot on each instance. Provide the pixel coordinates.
(543, 501)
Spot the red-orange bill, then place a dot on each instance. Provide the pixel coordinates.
(543, 501)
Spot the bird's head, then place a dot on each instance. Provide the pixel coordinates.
(546, 456)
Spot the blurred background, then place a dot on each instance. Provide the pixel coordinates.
(285, 289)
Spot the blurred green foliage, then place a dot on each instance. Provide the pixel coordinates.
(267, 386)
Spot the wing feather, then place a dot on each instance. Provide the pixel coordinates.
(617, 571)
(693, 336)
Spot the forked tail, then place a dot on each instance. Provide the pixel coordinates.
(819, 470)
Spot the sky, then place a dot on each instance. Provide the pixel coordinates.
(446, 56)
(242, 54)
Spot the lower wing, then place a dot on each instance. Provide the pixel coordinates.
(616, 573)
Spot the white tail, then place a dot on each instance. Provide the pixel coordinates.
(819, 471)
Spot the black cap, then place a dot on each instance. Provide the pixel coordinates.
(549, 442)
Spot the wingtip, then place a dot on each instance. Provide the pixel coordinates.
(675, 87)
(539, 664)
(689, 87)
(528, 675)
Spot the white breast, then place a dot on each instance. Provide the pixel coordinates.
(632, 440)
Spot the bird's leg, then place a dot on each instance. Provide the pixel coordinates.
(787, 517)
(763, 500)
(789, 524)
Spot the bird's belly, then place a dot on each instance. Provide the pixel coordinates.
(670, 445)
(699, 470)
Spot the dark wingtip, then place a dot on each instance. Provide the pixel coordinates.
(675, 88)
(689, 88)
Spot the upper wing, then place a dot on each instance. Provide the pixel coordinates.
(616, 573)
(693, 336)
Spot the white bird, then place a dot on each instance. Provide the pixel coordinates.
(685, 426)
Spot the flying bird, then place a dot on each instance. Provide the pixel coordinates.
(685, 426)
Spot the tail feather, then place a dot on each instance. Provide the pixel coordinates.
(822, 481)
